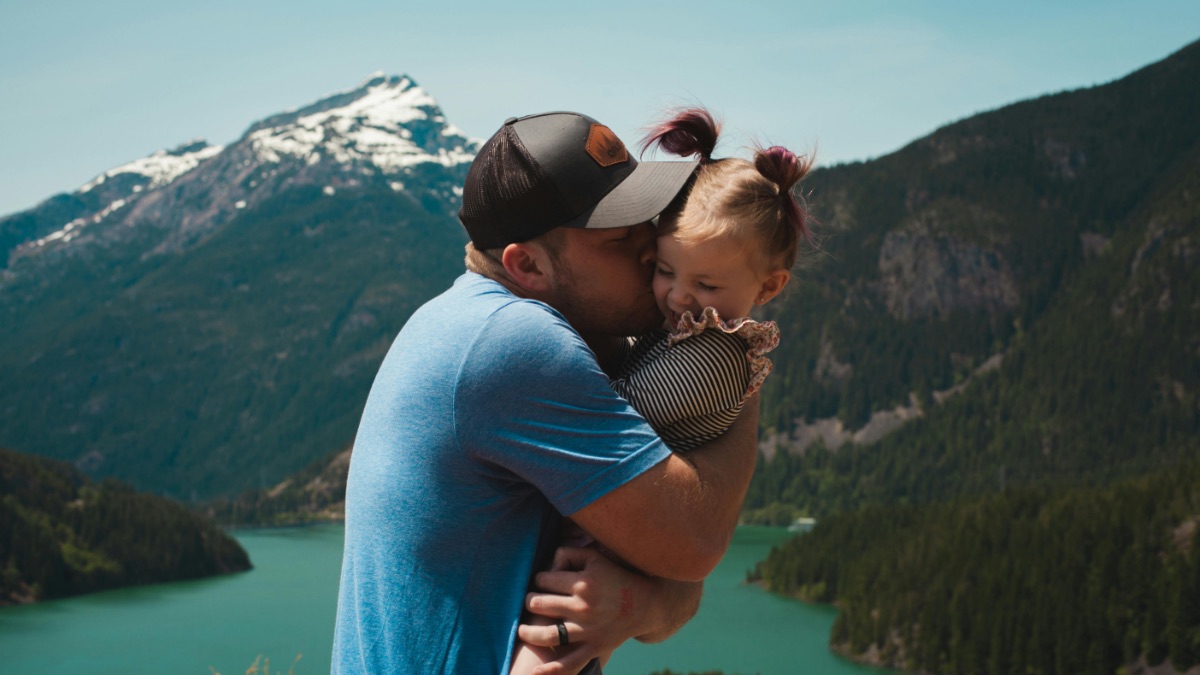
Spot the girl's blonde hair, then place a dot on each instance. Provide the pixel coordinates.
(751, 202)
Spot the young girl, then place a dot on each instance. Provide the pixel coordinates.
(730, 245)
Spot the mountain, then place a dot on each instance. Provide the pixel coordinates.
(61, 534)
(1008, 300)
(381, 134)
(209, 319)
(1011, 300)
(997, 412)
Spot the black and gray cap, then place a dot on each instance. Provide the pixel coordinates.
(561, 169)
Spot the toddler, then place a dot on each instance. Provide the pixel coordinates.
(728, 247)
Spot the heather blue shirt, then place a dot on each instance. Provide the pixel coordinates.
(488, 417)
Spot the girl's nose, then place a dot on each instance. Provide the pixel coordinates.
(679, 297)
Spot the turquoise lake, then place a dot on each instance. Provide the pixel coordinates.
(285, 607)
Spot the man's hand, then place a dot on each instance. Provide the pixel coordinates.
(602, 604)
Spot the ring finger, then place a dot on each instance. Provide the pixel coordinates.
(547, 636)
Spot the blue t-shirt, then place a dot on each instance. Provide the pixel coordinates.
(489, 416)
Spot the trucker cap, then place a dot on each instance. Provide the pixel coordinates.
(561, 169)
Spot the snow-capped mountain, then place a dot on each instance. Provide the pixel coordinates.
(387, 131)
(210, 316)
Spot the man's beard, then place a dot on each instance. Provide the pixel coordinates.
(600, 315)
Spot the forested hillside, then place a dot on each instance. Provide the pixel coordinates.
(61, 534)
(1032, 504)
(316, 493)
(1071, 582)
(1054, 240)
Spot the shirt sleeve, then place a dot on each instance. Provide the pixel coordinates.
(532, 403)
(691, 392)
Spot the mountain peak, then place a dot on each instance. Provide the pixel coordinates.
(388, 122)
(387, 132)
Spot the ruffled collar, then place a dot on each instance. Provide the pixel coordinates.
(760, 338)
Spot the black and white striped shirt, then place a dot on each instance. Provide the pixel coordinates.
(690, 392)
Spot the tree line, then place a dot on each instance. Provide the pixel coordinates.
(1068, 581)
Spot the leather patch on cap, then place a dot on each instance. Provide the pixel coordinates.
(604, 146)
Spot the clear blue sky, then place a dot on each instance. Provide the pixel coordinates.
(87, 86)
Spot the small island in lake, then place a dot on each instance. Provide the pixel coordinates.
(62, 534)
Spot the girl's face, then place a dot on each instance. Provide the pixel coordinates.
(717, 273)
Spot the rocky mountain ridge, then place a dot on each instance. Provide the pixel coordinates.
(385, 131)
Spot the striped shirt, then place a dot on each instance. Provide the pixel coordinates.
(690, 392)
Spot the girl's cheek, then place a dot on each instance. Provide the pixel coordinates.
(661, 287)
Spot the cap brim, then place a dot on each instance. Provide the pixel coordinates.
(641, 196)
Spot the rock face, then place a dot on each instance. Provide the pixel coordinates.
(925, 273)
(1168, 252)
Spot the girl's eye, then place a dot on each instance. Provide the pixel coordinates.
(706, 287)
(662, 272)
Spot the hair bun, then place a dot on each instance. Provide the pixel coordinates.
(689, 131)
(781, 166)
(785, 169)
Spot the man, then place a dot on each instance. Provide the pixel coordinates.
(491, 415)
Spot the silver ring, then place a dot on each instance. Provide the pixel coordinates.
(563, 638)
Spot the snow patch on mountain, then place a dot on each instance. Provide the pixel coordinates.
(163, 166)
(74, 228)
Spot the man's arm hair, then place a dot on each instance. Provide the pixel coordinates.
(676, 519)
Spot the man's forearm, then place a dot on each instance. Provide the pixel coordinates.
(676, 519)
(676, 603)
(724, 468)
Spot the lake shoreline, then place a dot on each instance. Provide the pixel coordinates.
(289, 605)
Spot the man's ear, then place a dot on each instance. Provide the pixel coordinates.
(772, 285)
(528, 266)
